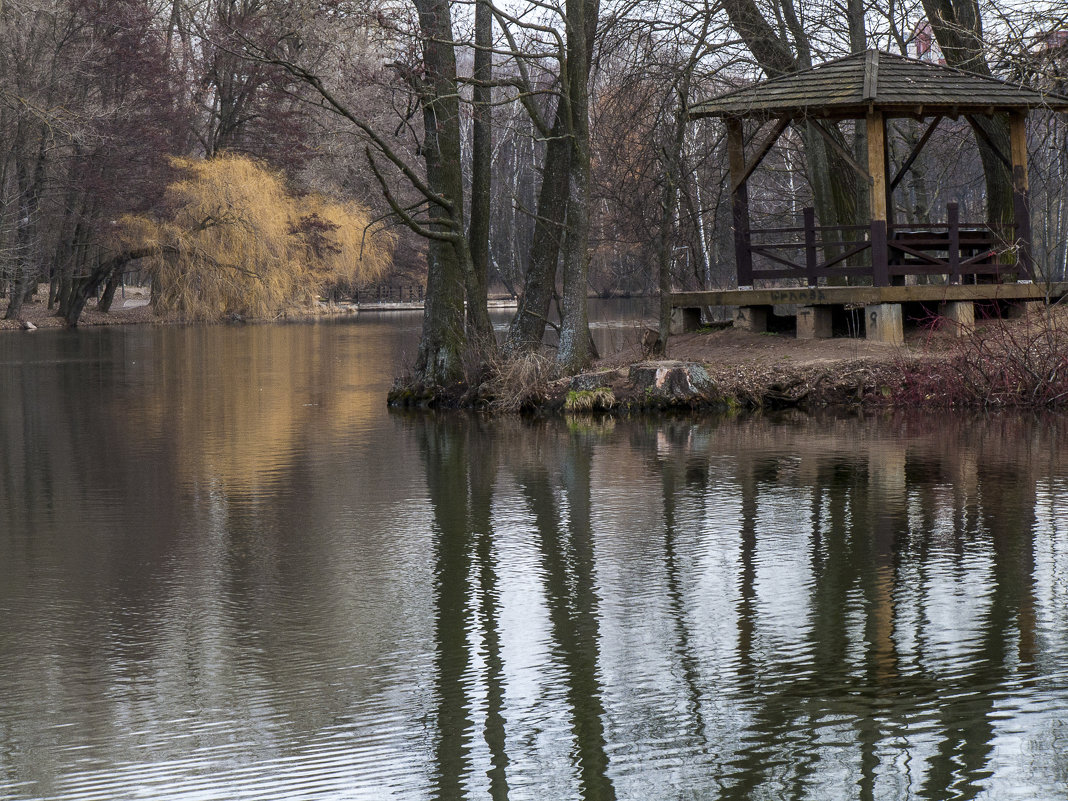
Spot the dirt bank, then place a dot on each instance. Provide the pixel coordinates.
(1002, 363)
(131, 309)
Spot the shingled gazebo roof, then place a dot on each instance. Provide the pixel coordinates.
(898, 86)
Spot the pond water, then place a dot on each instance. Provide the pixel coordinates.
(229, 572)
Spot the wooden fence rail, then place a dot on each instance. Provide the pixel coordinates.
(954, 249)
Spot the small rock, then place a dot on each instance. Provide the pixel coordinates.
(28, 326)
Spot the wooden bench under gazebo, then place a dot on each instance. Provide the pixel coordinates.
(968, 261)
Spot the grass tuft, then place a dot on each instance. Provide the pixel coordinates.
(589, 400)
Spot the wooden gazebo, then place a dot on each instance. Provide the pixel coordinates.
(875, 86)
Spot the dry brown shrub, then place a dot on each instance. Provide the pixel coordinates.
(518, 383)
(1006, 363)
(237, 241)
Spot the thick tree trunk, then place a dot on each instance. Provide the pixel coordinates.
(478, 323)
(104, 305)
(999, 208)
(958, 27)
(574, 352)
(528, 326)
(81, 290)
(858, 42)
(86, 286)
(527, 329)
(19, 293)
(441, 348)
(834, 186)
(27, 268)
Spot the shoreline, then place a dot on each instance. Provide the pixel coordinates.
(999, 364)
(140, 312)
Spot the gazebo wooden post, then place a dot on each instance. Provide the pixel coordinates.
(1021, 198)
(888, 175)
(880, 264)
(743, 257)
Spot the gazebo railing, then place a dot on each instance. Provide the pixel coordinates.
(953, 248)
(820, 252)
(810, 252)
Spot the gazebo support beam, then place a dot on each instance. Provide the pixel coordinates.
(1021, 198)
(915, 152)
(876, 130)
(765, 148)
(980, 131)
(743, 256)
(841, 151)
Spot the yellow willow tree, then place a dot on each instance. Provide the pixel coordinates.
(235, 241)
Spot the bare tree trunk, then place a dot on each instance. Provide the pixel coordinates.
(673, 179)
(834, 185)
(958, 27)
(104, 305)
(86, 286)
(28, 255)
(668, 193)
(858, 42)
(527, 328)
(669, 199)
(441, 348)
(478, 323)
(574, 352)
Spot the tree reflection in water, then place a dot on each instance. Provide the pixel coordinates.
(913, 608)
(266, 586)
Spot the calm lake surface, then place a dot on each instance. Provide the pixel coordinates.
(227, 571)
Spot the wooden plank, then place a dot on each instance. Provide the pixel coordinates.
(870, 294)
(848, 254)
(780, 259)
(876, 129)
(1018, 146)
(769, 143)
(915, 152)
(880, 254)
(876, 163)
(770, 274)
(811, 260)
(886, 177)
(953, 217)
(795, 244)
(871, 75)
(982, 134)
(859, 272)
(919, 254)
(743, 258)
(847, 157)
(1021, 195)
(981, 259)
